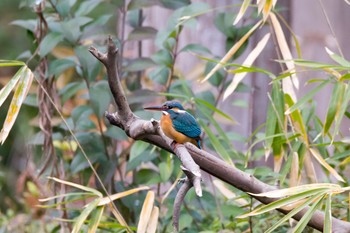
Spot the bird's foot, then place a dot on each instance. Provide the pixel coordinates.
(173, 145)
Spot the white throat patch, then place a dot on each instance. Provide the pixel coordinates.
(165, 113)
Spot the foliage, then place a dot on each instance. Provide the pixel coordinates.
(74, 93)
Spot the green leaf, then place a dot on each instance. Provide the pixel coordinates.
(49, 42)
(165, 170)
(297, 119)
(142, 33)
(89, 65)
(71, 28)
(338, 59)
(29, 24)
(216, 143)
(11, 63)
(100, 97)
(285, 201)
(70, 90)
(140, 152)
(96, 217)
(327, 227)
(196, 48)
(160, 74)
(58, 66)
(293, 212)
(171, 4)
(79, 221)
(307, 216)
(140, 4)
(139, 64)
(163, 57)
(306, 97)
(334, 105)
(214, 109)
(86, 7)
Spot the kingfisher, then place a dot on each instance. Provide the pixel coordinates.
(178, 124)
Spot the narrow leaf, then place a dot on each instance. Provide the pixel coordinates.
(78, 186)
(232, 51)
(6, 90)
(95, 219)
(283, 202)
(216, 143)
(247, 62)
(298, 189)
(289, 83)
(307, 216)
(11, 63)
(24, 83)
(338, 59)
(306, 97)
(146, 212)
(107, 200)
(79, 221)
(293, 212)
(242, 10)
(319, 158)
(327, 227)
(334, 105)
(153, 221)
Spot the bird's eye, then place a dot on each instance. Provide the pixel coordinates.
(165, 106)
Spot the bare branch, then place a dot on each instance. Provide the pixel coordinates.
(148, 131)
(179, 199)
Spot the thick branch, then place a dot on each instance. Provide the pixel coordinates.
(147, 131)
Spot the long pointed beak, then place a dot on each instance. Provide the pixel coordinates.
(156, 108)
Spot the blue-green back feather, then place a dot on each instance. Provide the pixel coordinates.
(185, 123)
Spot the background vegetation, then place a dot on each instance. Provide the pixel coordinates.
(61, 131)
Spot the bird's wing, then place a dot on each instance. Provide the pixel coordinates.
(185, 123)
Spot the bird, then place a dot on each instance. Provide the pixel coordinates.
(178, 124)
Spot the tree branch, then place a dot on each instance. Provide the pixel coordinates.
(148, 131)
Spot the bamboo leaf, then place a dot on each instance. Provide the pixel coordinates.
(95, 219)
(306, 98)
(146, 211)
(232, 51)
(289, 83)
(6, 90)
(331, 170)
(63, 196)
(297, 119)
(214, 109)
(242, 10)
(284, 202)
(293, 212)
(24, 83)
(338, 59)
(307, 216)
(247, 62)
(11, 63)
(216, 143)
(299, 189)
(78, 186)
(79, 221)
(334, 105)
(153, 221)
(327, 227)
(342, 109)
(107, 200)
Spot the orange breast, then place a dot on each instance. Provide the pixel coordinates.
(169, 131)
